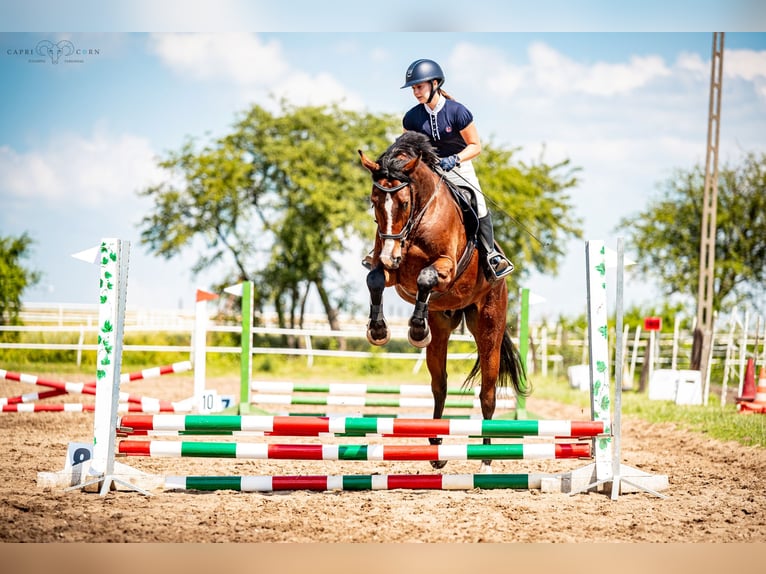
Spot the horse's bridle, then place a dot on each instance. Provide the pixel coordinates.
(407, 226)
(411, 221)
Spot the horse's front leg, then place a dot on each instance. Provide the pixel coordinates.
(419, 334)
(378, 332)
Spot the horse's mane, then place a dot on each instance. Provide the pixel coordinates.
(410, 145)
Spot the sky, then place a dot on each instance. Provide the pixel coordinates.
(622, 93)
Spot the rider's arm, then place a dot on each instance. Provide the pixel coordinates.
(471, 137)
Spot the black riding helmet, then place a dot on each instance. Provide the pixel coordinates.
(423, 71)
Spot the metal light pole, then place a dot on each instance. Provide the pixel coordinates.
(703, 334)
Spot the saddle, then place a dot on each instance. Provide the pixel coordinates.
(466, 201)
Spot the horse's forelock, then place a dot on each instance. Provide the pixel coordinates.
(390, 168)
(407, 146)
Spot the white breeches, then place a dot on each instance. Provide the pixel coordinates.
(465, 173)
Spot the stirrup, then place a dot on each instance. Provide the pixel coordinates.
(499, 264)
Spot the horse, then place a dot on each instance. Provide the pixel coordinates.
(423, 250)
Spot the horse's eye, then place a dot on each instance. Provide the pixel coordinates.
(405, 205)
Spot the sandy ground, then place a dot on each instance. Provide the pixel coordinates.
(717, 493)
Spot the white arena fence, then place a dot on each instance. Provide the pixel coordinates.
(547, 346)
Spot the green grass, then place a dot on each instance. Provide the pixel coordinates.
(724, 424)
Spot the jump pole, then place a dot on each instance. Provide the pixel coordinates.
(361, 401)
(364, 452)
(358, 389)
(149, 404)
(359, 426)
(356, 482)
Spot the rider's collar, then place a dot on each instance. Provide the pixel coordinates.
(432, 114)
(438, 107)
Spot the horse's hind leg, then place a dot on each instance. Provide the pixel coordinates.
(488, 326)
(436, 361)
(378, 332)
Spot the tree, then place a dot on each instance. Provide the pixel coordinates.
(279, 197)
(666, 235)
(532, 210)
(14, 277)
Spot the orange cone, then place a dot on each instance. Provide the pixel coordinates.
(758, 404)
(748, 386)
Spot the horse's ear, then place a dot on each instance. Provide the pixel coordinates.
(368, 163)
(412, 164)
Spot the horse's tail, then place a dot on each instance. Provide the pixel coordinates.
(512, 369)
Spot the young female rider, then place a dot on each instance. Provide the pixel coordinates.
(450, 127)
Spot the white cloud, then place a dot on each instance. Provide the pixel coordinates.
(379, 55)
(254, 67)
(746, 64)
(693, 63)
(555, 72)
(303, 89)
(489, 66)
(242, 59)
(749, 65)
(81, 170)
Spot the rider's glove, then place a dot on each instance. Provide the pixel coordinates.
(449, 162)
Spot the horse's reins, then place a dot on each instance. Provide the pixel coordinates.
(498, 208)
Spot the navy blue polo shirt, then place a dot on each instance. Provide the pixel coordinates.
(450, 120)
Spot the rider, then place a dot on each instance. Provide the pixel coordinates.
(450, 127)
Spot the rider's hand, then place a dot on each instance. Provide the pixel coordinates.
(449, 162)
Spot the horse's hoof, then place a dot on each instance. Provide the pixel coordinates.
(424, 342)
(437, 464)
(485, 468)
(378, 342)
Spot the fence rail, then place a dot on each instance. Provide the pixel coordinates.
(547, 351)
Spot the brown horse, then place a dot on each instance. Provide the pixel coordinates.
(423, 250)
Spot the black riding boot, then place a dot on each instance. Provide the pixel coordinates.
(498, 264)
